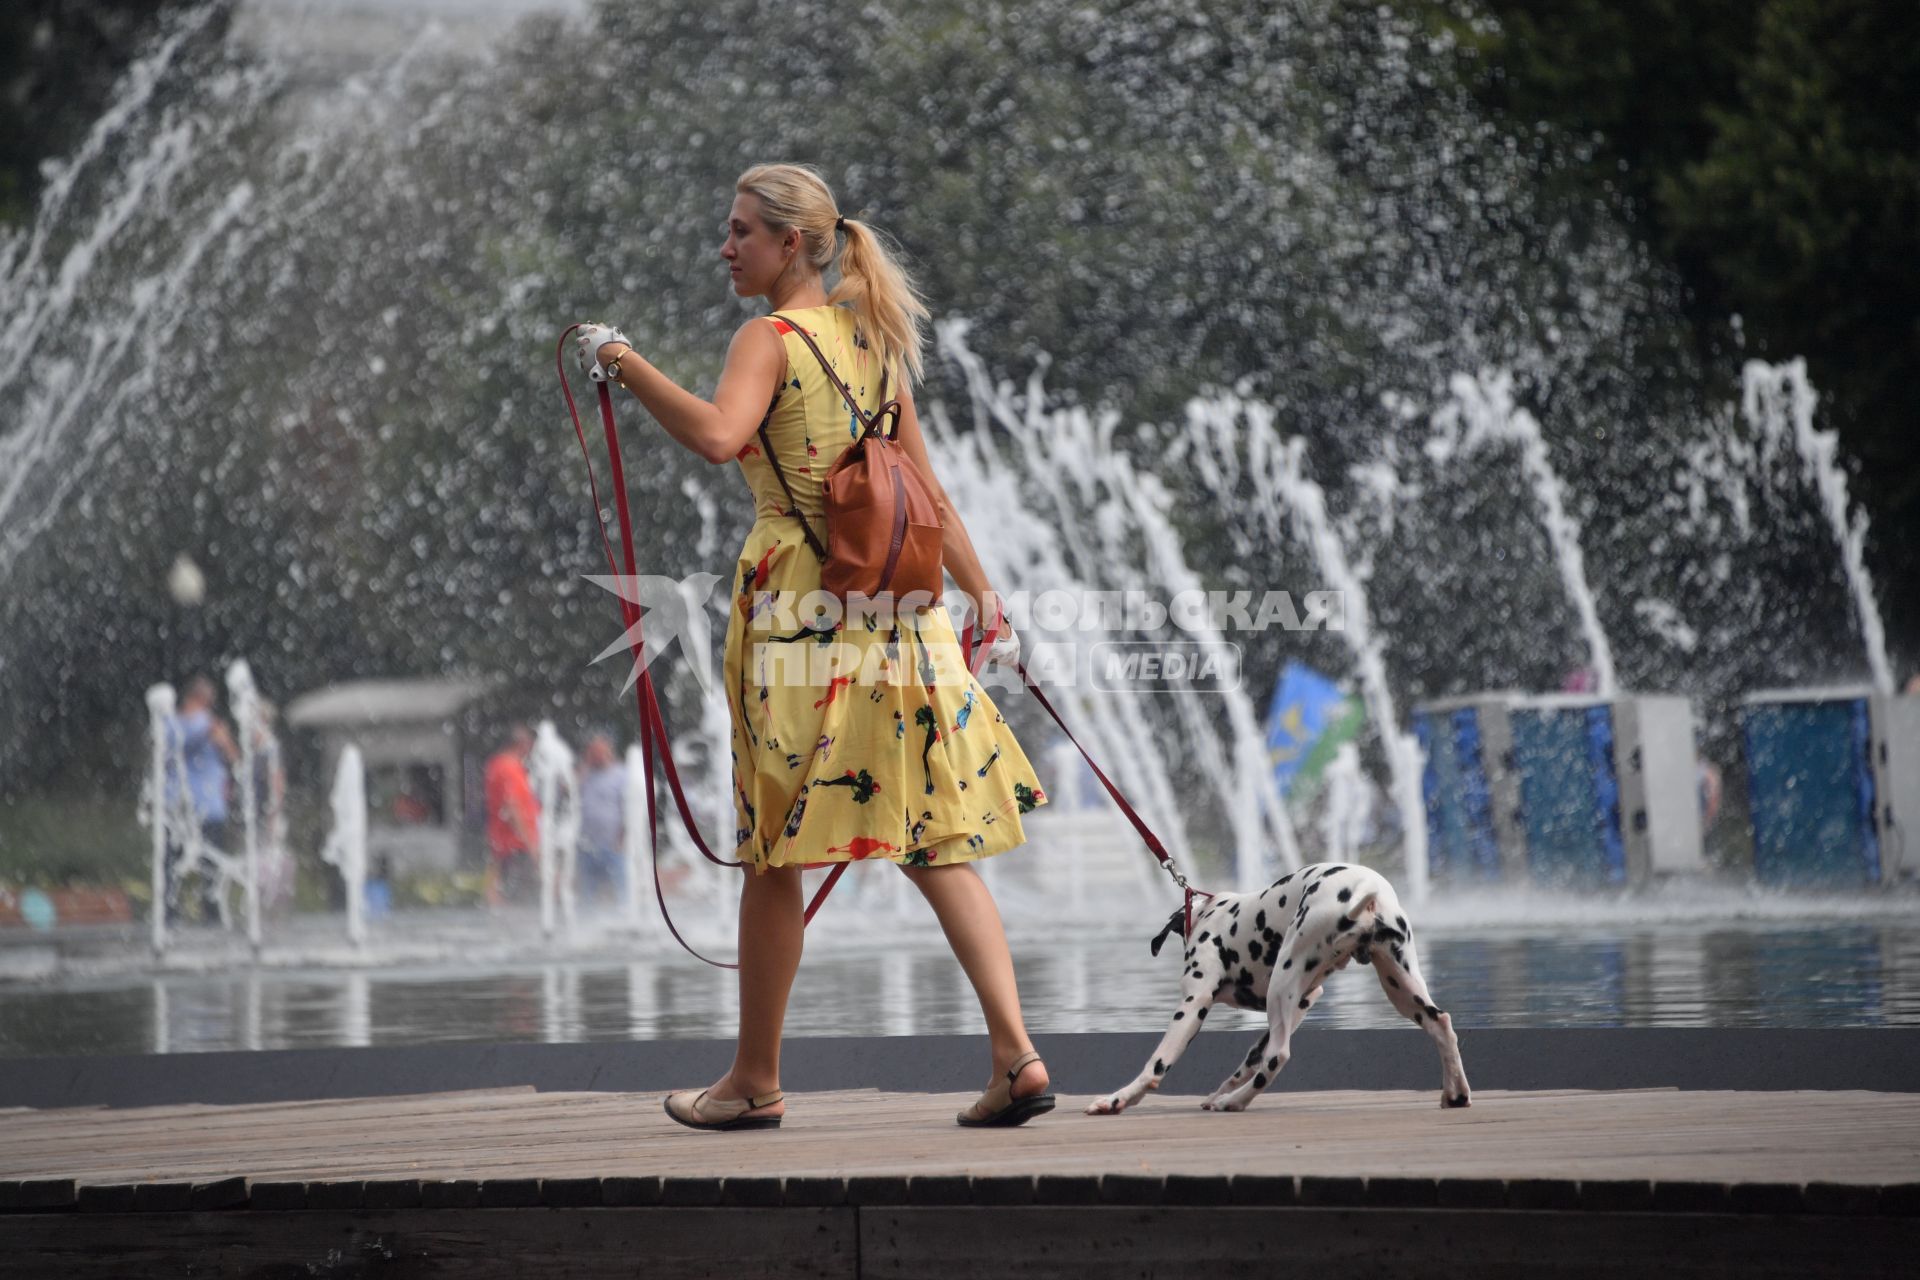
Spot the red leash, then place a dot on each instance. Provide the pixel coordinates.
(653, 729)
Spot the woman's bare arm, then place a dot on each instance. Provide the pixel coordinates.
(716, 430)
(956, 547)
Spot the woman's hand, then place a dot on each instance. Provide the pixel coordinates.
(1005, 650)
(588, 341)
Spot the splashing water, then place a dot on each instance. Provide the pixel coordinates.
(1778, 402)
(303, 313)
(1482, 411)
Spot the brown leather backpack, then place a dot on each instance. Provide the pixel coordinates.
(884, 532)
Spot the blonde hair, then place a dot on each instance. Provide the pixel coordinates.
(885, 302)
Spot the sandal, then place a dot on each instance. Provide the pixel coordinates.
(998, 1106)
(728, 1113)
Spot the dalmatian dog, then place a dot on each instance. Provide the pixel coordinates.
(1271, 951)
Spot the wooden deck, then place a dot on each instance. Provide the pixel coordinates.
(1656, 1135)
(861, 1183)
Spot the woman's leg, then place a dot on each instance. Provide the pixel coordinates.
(970, 920)
(772, 929)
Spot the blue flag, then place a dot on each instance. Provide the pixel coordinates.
(1304, 703)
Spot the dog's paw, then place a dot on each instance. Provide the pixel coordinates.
(1107, 1106)
(1448, 1101)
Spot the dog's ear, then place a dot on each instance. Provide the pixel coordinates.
(1173, 922)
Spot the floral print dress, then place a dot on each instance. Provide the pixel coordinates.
(853, 737)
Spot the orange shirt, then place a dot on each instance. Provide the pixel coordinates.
(508, 791)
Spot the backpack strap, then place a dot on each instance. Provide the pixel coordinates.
(766, 449)
(869, 422)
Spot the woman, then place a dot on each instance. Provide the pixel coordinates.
(920, 771)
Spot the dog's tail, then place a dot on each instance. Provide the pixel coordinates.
(1174, 921)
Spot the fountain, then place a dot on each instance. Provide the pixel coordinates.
(346, 846)
(245, 700)
(556, 786)
(245, 252)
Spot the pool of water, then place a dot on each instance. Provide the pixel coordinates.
(1524, 968)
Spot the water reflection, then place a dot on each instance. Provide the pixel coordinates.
(1851, 973)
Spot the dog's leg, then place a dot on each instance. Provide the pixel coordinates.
(1287, 1005)
(1399, 970)
(1198, 983)
(1239, 1077)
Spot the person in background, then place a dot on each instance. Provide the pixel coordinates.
(205, 749)
(603, 823)
(1710, 785)
(513, 817)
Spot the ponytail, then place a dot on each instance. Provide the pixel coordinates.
(888, 306)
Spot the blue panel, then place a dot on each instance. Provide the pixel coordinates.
(1811, 792)
(1560, 798)
(1460, 842)
(1864, 788)
(1476, 797)
(1606, 789)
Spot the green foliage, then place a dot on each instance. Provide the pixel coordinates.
(1772, 152)
(1805, 208)
(62, 838)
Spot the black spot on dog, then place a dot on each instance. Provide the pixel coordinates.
(1400, 922)
(1303, 1002)
(1229, 958)
(1346, 894)
(1201, 1013)
(1179, 1014)
(1287, 963)
(1260, 921)
(1418, 1021)
(1188, 1000)
(1272, 1063)
(1260, 1081)
(1159, 1067)
(1283, 899)
(1394, 983)
(1333, 870)
(1282, 880)
(1203, 936)
(1343, 924)
(1311, 890)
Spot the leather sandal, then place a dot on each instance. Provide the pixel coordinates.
(721, 1113)
(998, 1106)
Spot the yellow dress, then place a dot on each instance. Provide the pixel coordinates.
(889, 750)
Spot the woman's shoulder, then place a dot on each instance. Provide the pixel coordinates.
(812, 318)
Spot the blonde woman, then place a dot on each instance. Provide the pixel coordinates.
(909, 767)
